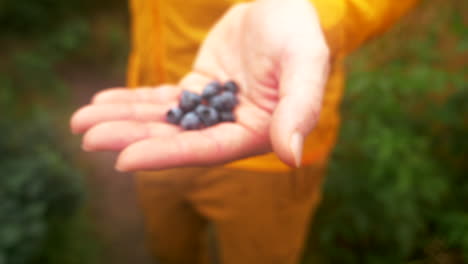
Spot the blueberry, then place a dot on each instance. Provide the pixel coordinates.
(231, 86)
(189, 101)
(217, 102)
(208, 115)
(227, 117)
(226, 101)
(191, 121)
(174, 115)
(211, 89)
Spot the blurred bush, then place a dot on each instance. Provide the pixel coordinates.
(28, 73)
(40, 193)
(34, 18)
(41, 187)
(397, 189)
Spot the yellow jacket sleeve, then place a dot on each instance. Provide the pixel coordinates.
(349, 23)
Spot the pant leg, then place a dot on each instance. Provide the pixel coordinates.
(174, 229)
(260, 218)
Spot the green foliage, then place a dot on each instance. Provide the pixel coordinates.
(28, 19)
(33, 16)
(389, 191)
(40, 191)
(41, 194)
(397, 189)
(29, 72)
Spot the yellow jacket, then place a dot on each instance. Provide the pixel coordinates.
(167, 33)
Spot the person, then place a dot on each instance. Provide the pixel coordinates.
(257, 180)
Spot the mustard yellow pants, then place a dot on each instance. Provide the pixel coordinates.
(258, 217)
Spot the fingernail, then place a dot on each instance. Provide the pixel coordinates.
(296, 144)
(119, 168)
(86, 148)
(119, 165)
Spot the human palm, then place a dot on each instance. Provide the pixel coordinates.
(274, 49)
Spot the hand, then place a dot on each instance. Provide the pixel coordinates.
(274, 49)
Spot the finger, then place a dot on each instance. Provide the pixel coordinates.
(156, 95)
(116, 135)
(216, 145)
(91, 115)
(302, 84)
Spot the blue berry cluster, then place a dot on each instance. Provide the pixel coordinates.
(213, 106)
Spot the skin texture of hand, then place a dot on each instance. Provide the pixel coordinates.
(277, 53)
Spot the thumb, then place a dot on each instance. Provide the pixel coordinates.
(302, 82)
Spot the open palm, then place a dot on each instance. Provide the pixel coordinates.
(274, 49)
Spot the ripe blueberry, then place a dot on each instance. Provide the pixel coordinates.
(174, 115)
(188, 101)
(190, 121)
(208, 115)
(227, 117)
(226, 101)
(211, 89)
(231, 86)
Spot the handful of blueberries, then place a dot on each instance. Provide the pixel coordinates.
(213, 106)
